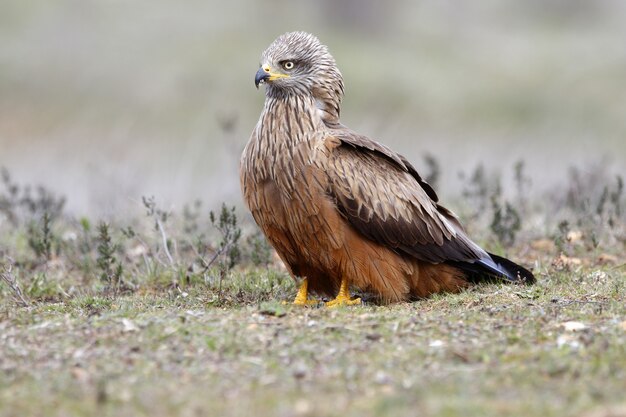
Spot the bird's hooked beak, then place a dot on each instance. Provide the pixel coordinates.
(265, 74)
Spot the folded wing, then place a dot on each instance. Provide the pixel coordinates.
(383, 197)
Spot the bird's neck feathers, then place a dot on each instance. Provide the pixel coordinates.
(328, 101)
(324, 95)
(289, 119)
(287, 129)
(313, 109)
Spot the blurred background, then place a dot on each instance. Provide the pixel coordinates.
(105, 101)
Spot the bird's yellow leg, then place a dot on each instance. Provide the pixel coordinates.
(302, 298)
(343, 298)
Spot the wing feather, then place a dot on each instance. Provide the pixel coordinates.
(384, 197)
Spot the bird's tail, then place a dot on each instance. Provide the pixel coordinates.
(496, 267)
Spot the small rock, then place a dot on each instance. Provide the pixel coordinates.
(382, 378)
(302, 407)
(169, 330)
(436, 344)
(573, 326)
(137, 251)
(69, 236)
(565, 340)
(574, 236)
(299, 371)
(80, 374)
(129, 326)
(78, 354)
(373, 336)
(598, 276)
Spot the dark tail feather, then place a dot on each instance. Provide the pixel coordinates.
(513, 271)
(496, 266)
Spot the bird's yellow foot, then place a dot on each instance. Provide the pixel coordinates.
(305, 302)
(302, 298)
(343, 301)
(343, 298)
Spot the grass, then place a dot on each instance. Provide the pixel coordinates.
(181, 314)
(494, 350)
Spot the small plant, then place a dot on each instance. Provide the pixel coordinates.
(506, 221)
(196, 235)
(84, 239)
(79, 245)
(616, 198)
(522, 185)
(160, 217)
(476, 191)
(17, 201)
(110, 268)
(478, 187)
(225, 253)
(561, 237)
(43, 289)
(260, 249)
(44, 201)
(584, 187)
(9, 199)
(40, 239)
(595, 205)
(227, 225)
(604, 197)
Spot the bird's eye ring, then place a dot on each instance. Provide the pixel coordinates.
(288, 65)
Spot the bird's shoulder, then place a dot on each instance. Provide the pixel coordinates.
(365, 148)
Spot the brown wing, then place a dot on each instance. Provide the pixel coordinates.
(384, 198)
(348, 137)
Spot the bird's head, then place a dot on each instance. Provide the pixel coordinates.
(296, 63)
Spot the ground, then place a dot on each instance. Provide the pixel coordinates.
(555, 349)
(180, 314)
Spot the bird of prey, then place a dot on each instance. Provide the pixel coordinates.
(341, 210)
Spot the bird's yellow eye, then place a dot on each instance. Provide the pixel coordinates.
(288, 65)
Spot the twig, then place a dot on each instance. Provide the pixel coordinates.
(8, 277)
(157, 214)
(164, 238)
(155, 254)
(207, 264)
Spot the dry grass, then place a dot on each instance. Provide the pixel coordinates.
(178, 332)
(495, 350)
